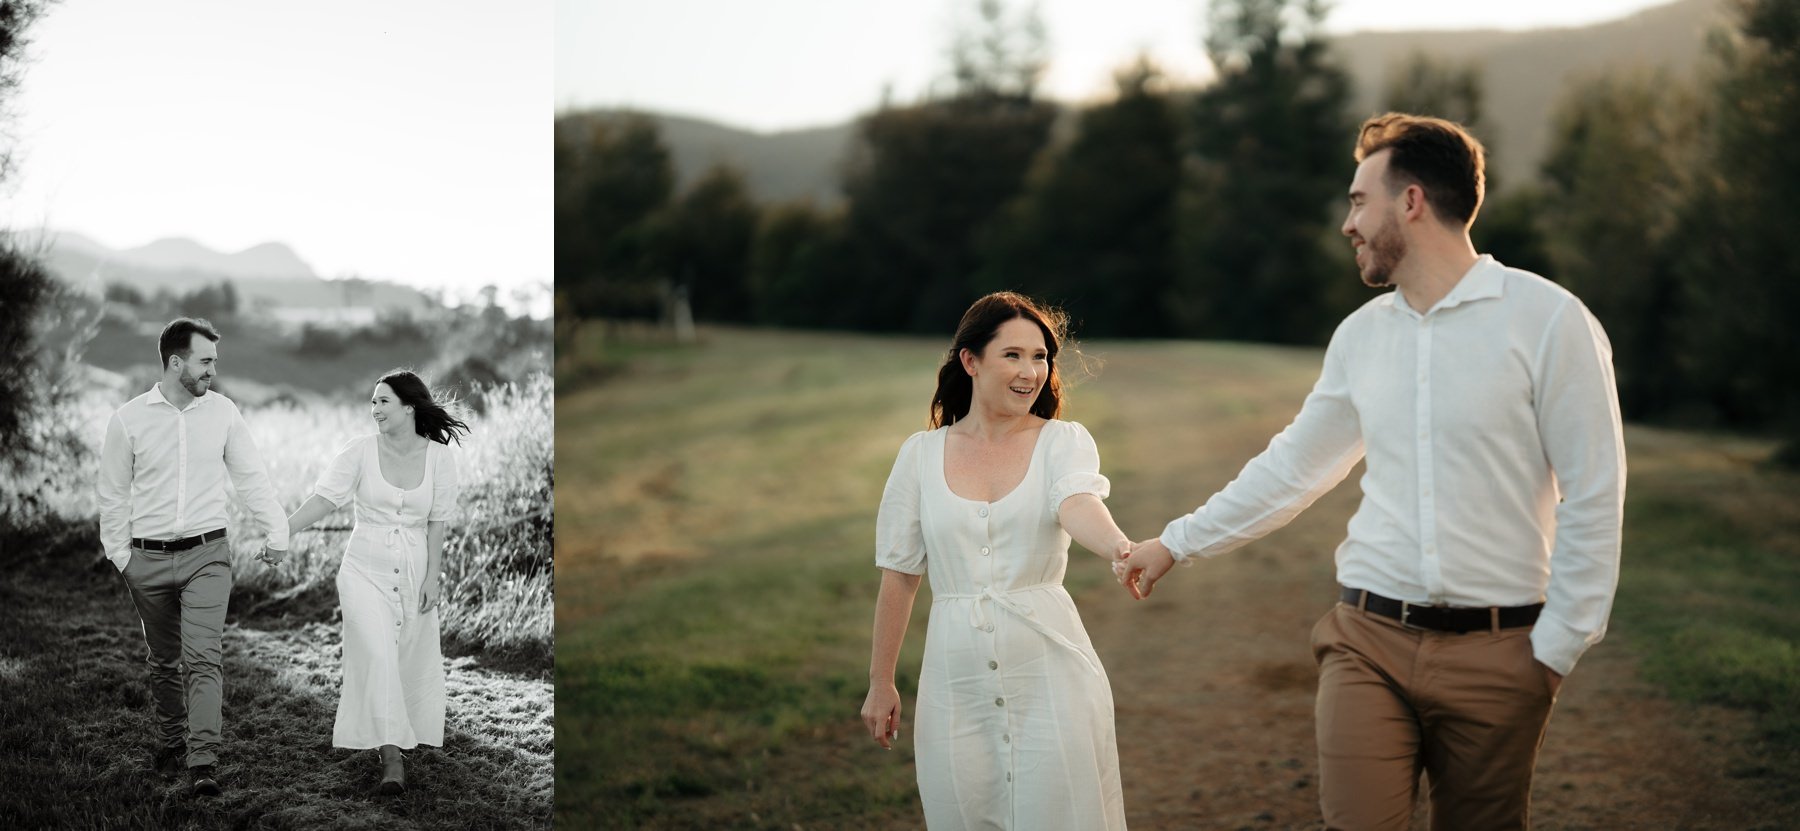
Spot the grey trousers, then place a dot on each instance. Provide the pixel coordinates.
(181, 598)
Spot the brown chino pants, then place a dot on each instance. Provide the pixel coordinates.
(181, 598)
(1467, 709)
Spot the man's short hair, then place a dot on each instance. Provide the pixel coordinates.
(1437, 155)
(178, 337)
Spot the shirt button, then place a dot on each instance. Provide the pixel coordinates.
(1005, 737)
(999, 702)
(396, 571)
(993, 665)
(987, 627)
(984, 551)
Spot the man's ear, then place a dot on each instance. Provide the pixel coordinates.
(1412, 202)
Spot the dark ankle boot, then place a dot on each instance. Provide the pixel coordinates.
(393, 771)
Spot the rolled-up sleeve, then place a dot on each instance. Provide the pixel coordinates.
(1583, 438)
(1074, 465)
(899, 537)
(112, 493)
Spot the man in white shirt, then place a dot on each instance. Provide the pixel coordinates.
(1482, 561)
(161, 493)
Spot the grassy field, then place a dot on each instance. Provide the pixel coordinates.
(716, 584)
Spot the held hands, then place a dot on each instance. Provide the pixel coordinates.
(271, 557)
(1120, 573)
(1145, 564)
(881, 714)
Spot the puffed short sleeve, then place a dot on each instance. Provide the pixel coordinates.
(446, 485)
(1074, 464)
(338, 483)
(899, 538)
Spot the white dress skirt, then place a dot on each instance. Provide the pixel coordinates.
(1014, 720)
(393, 687)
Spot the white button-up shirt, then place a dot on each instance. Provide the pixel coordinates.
(163, 472)
(1496, 458)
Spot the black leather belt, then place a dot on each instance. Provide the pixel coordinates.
(1442, 618)
(182, 544)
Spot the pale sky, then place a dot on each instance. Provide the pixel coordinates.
(404, 140)
(785, 64)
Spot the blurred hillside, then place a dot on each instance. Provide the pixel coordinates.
(269, 278)
(1524, 73)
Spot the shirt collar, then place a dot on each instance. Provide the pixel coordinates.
(1484, 280)
(156, 397)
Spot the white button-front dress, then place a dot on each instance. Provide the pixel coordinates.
(1014, 720)
(393, 689)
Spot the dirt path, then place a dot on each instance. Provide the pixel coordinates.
(74, 701)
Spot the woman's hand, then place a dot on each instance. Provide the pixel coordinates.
(881, 714)
(1120, 553)
(428, 596)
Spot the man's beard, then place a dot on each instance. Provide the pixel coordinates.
(193, 385)
(1386, 249)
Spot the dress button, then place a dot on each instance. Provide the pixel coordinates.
(999, 702)
(984, 551)
(993, 665)
(983, 512)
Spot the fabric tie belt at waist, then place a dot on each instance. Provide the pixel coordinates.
(978, 616)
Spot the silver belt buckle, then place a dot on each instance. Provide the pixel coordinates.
(1406, 613)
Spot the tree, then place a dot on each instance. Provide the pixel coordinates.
(925, 184)
(611, 180)
(703, 241)
(1268, 165)
(1736, 260)
(798, 253)
(1094, 231)
(1621, 152)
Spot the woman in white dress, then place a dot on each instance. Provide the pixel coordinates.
(1015, 715)
(404, 483)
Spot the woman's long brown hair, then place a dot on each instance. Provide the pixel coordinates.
(955, 389)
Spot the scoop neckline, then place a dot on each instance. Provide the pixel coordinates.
(375, 450)
(1031, 466)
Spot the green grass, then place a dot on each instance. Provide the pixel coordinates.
(76, 717)
(716, 584)
(1709, 582)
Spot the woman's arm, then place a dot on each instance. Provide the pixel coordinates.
(315, 509)
(434, 560)
(893, 611)
(1086, 519)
